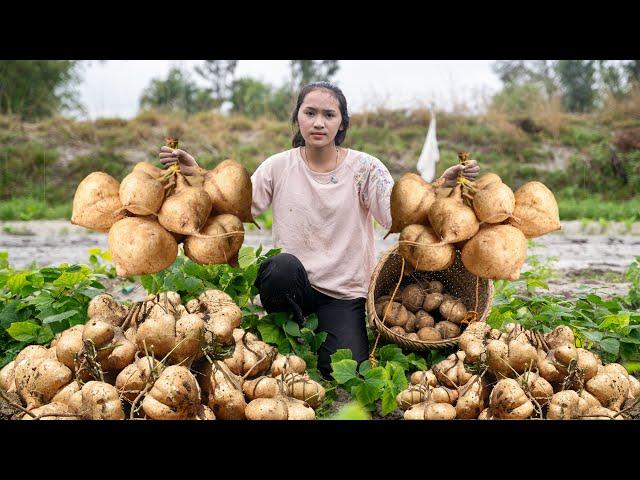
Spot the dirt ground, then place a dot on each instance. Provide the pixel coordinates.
(582, 255)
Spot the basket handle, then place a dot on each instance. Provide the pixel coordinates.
(372, 357)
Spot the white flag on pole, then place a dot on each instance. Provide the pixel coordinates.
(430, 154)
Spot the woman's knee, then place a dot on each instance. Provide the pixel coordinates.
(282, 281)
(280, 271)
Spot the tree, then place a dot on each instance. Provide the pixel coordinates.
(518, 98)
(177, 93)
(281, 103)
(220, 74)
(250, 97)
(611, 77)
(578, 84)
(253, 98)
(34, 89)
(305, 71)
(632, 69)
(539, 72)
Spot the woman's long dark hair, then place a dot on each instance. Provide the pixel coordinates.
(298, 140)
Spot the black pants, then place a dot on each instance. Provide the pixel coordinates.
(284, 287)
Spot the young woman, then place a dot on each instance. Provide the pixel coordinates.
(324, 198)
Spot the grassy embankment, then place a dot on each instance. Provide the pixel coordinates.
(41, 164)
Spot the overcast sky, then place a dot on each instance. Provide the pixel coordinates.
(113, 88)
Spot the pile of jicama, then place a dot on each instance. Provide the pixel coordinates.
(422, 312)
(161, 360)
(153, 210)
(519, 374)
(485, 220)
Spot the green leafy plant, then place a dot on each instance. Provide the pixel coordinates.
(101, 262)
(384, 381)
(280, 330)
(607, 327)
(37, 303)
(633, 275)
(351, 411)
(190, 279)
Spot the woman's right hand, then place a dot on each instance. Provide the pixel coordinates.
(188, 164)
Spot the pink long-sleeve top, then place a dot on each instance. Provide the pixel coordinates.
(327, 224)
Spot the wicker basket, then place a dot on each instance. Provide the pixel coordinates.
(457, 281)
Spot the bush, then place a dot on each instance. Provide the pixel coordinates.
(25, 169)
(518, 99)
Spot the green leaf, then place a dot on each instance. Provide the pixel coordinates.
(193, 285)
(59, 317)
(344, 370)
(91, 292)
(610, 345)
(36, 279)
(537, 283)
(77, 320)
(192, 269)
(69, 279)
(246, 257)
(594, 336)
(45, 334)
(352, 411)
(270, 333)
(62, 304)
(364, 367)
(393, 353)
(314, 374)
(367, 392)
(319, 340)
(389, 403)
(24, 331)
(376, 376)
(312, 322)
(11, 313)
(341, 354)
(307, 334)
(150, 283)
(417, 362)
(16, 282)
(272, 252)
(292, 328)
(615, 322)
(398, 378)
(284, 347)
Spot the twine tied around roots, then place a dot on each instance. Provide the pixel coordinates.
(140, 207)
(218, 235)
(509, 215)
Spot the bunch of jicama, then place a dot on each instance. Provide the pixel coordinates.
(159, 359)
(153, 210)
(485, 220)
(517, 374)
(422, 312)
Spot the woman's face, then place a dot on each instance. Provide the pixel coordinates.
(319, 118)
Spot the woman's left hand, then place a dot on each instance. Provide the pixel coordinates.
(470, 171)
